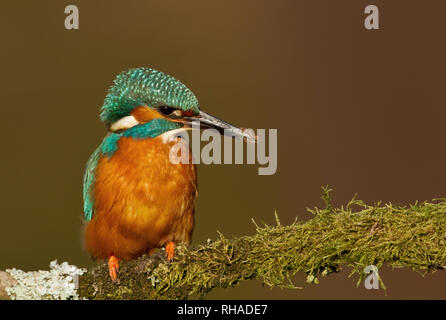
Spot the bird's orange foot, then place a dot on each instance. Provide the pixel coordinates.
(170, 250)
(113, 267)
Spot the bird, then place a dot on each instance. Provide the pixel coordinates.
(136, 199)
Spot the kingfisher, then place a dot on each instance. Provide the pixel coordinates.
(135, 198)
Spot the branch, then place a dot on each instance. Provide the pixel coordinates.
(400, 236)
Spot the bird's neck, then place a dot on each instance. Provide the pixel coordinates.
(157, 128)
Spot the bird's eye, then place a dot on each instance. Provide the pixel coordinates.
(165, 110)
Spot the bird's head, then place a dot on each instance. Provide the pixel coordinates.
(147, 103)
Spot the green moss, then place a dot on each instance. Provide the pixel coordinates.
(356, 235)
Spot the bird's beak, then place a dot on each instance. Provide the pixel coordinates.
(205, 120)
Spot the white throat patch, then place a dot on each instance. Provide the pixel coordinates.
(171, 135)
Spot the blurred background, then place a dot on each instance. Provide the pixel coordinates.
(362, 111)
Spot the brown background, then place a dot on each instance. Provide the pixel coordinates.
(362, 111)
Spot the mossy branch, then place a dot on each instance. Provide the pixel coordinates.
(355, 235)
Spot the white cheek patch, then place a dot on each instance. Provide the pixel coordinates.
(124, 123)
(171, 135)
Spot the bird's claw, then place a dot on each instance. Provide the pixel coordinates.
(113, 267)
(170, 250)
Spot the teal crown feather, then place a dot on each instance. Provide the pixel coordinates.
(149, 87)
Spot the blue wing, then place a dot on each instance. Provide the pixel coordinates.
(89, 177)
(108, 146)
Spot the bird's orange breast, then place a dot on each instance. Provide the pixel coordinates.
(141, 200)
